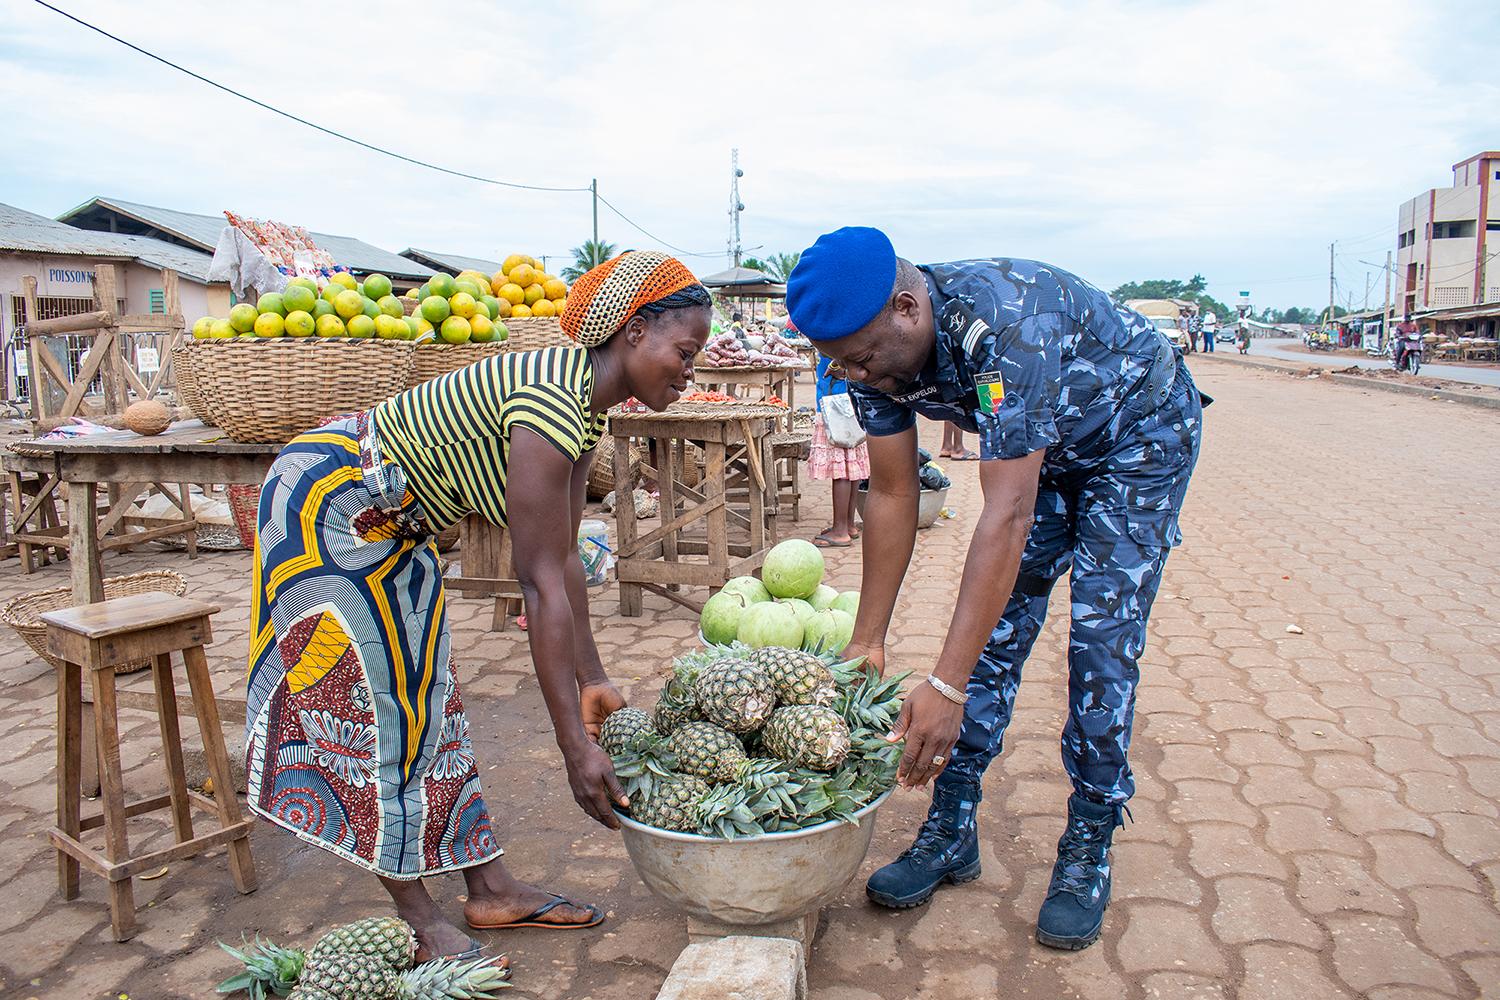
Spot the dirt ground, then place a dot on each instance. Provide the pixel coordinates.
(1316, 815)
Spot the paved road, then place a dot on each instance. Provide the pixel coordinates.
(1318, 815)
(1292, 349)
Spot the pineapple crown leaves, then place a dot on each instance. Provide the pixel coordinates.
(270, 970)
(480, 979)
(725, 812)
(869, 701)
(640, 769)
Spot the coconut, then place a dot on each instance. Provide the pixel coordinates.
(147, 417)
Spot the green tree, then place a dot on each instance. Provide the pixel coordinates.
(754, 264)
(1191, 290)
(780, 265)
(586, 257)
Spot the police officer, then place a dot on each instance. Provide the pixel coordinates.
(1088, 425)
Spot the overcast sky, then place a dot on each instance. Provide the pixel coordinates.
(1117, 140)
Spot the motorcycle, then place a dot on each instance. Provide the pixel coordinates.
(1319, 342)
(1407, 354)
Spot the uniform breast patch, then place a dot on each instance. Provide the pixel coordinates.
(991, 389)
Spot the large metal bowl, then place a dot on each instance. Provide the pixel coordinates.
(929, 505)
(758, 880)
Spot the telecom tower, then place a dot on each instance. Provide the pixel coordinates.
(735, 206)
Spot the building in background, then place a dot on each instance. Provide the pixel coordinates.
(62, 259)
(451, 263)
(1448, 240)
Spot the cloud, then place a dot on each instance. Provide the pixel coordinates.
(1118, 140)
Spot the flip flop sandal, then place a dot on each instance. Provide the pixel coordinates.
(967, 455)
(824, 542)
(533, 919)
(475, 951)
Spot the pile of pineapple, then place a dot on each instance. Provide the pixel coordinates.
(371, 959)
(745, 742)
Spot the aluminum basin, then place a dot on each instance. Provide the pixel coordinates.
(758, 880)
(929, 505)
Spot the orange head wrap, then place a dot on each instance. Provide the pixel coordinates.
(602, 300)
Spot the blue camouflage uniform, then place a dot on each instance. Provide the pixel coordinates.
(1030, 357)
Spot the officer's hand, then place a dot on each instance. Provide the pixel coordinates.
(930, 723)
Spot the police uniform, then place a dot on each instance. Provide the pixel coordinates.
(1030, 357)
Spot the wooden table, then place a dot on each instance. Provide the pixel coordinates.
(736, 441)
(127, 464)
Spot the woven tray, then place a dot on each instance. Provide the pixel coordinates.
(24, 613)
(432, 360)
(706, 411)
(270, 390)
(532, 333)
(186, 374)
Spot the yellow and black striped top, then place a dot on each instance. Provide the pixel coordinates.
(452, 435)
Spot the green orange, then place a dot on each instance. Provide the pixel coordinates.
(270, 324)
(361, 326)
(455, 330)
(435, 309)
(300, 323)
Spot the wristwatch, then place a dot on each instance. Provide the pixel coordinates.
(948, 691)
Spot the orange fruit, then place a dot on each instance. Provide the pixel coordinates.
(520, 311)
(502, 308)
(523, 275)
(511, 263)
(543, 307)
(555, 288)
(511, 292)
(463, 304)
(561, 304)
(534, 294)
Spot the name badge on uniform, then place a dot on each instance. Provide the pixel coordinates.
(991, 389)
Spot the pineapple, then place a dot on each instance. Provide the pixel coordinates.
(807, 735)
(346, 976)
(799, 678)
(708, 751)
(736, 694)
(446, 978)
(389, 939)
(678, 704)
(270, 970)
(673, 805)
(624, 729)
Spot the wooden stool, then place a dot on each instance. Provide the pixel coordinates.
(789, 449)
(96, 637)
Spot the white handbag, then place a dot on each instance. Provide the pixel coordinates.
(840, 422)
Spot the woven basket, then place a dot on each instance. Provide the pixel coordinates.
(432, 360)
(602, 473)
(244, 503)
(187, 383)
(270, 390)
(532, 333)
(24, 613)
(410, 306)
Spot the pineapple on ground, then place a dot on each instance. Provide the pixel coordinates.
(736, 694)
(270, 970)
(346, 976)
(389, 939)
(624, 730)
(799, 678)
(675, 804)
(707, 751)
(807, 735)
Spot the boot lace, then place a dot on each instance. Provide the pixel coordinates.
(1078, 859)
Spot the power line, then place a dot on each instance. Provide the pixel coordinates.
(635, 225)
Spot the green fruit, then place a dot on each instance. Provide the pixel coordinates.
(322, 308)
(307, 283)
(371, 307)
(242, 317)
(467, 287)
(720, 620)
(707, 751)
(220, 329)
(391, 306)
(828, 632)
(298, 298)
(463, 304)
(793, 568)
(823, 597)
(272, 302)
(492, 304)
(755, 592)
(501, 332)
(482, 308)
(455, 330)
(482, 329)
(624, 729)
(413, 324)
(270, 324)
(770, 624)
(349, 304)
(847, 602)
(330, 326)
(332, 291)
(803, 609)
(389, 328)
(442, 284)
(807, 736)
(359, 287)
(435, 309)
(201, 327)
(300, 324)
(735, 694)
(361, 326)
(377, 286)
(799, 678)
(423, 292)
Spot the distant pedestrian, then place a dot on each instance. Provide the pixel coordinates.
(828, 460)
(1210, 329)
(953, 444)
(1195, 327)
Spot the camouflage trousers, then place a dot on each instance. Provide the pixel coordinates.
(1110, 528)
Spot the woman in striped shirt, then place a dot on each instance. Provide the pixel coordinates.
(357, 740)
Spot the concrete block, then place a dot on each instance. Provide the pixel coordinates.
(738, 968)
(800, 929)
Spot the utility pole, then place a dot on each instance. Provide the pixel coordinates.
(1369, 280)
(1385, 323)
(735, 205)
(594, 191)
(1330, 284)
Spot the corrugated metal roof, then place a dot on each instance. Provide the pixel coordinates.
(28, 232)
(451, 261)
(203, 232)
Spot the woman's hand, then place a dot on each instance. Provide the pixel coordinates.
(592, 776)
(874, 656)
(931, 724)
(597, 701)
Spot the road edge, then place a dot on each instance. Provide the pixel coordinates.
(1358, 381)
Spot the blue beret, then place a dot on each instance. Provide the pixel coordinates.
(841, 282)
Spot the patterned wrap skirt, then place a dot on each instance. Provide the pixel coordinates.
(827, 460)
(356, 739)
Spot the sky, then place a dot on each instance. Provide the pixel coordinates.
(1120, 141)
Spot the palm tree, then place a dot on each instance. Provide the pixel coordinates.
(589, 255)
(779, 265)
